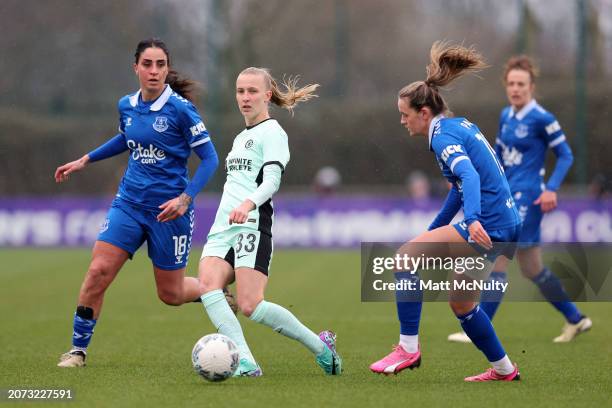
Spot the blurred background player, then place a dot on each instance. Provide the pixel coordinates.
(418, 186)
(327, 181)
(239, 245)
(526, 132)
(160, 126)
(479, 186)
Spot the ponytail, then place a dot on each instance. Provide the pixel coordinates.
(447, 63)
(292, 95)
(181, 85)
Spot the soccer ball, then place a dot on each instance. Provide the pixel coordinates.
(215, 357)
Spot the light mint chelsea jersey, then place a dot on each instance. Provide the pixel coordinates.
(264, 144)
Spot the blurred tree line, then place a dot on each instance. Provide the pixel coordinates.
(65, 63)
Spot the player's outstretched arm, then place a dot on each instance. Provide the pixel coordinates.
(62, 173)
(111, 148)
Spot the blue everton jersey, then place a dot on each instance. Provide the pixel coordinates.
(470, 164)
(522, 142)
(160, 136)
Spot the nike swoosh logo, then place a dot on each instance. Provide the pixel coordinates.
(241, 256)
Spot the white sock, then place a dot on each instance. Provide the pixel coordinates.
(284, 322)
(503, 366)
(409, 343)
(225, 321)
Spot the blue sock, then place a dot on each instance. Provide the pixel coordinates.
(83, 328)
(553, 291)
(478, 327)
(490, 299)
(409, 304)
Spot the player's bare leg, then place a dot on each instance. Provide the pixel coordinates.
(106, 262)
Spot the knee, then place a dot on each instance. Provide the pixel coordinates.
(460, 308)
(530, 272)
(248, 305)
(208, 283)
(171, 298)
(98, 277)
(413, 248)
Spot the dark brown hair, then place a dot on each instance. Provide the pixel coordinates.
(447, 63)
(181, 85)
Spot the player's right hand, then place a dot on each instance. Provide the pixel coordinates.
(62, 173)
(479, 235)
(240, 214)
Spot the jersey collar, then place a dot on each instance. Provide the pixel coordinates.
(432, 127)
(159, 102)
(520, 115)
(258, 123)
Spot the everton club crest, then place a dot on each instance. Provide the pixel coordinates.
(161, 124)
(521, 131)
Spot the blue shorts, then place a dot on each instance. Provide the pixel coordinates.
(531, 215)
(127, 226)
(504, 240)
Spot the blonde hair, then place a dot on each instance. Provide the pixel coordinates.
(447, 63)
(292, 94)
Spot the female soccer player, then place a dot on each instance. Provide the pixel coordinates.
(526, 132)
(479, 186)
(239, 245)
(160, 126)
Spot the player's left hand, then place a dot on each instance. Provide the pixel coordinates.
(547, 201)
(479, 235)
(240, 214)
(174, 208)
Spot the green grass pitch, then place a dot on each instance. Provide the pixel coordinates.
(140, 353)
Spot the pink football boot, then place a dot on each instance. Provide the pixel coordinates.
(398, 360)
(491, 375)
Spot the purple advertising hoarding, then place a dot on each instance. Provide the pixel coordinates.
(300, 221)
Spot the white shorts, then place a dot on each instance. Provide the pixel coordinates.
(241, 248)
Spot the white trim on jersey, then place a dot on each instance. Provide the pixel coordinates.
(520, 115)
(134, 99)
(457, 160)
(199, 142)
(557, 141)
(158, 104)
(432, 125)
(163, 98)
(552, 128)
